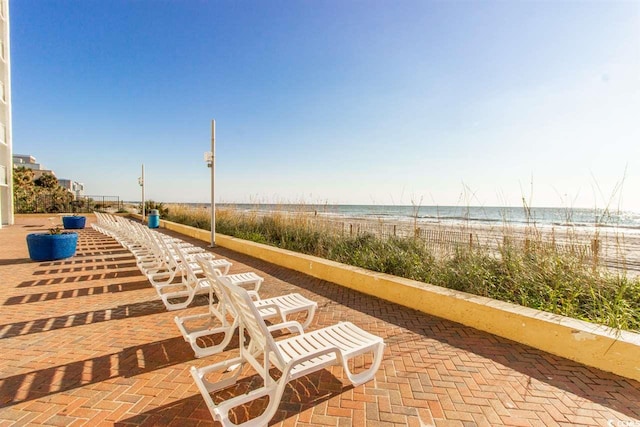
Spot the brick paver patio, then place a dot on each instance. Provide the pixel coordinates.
(86, 341)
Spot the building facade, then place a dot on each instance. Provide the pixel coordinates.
(6, 169)
(75, 188)
(25, 160)
(29, 162)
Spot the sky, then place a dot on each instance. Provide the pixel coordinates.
(334, 102)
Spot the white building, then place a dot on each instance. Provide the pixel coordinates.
(25, 160)
(29, 162)
(6, 174)
(76, 188)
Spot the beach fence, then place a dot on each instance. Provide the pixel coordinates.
(47, 203)
(446, 240)
(581, 249)
(591, 250)
(100, 203)
(441, 240)
(374, 228)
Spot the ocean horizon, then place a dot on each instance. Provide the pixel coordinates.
(488, 215)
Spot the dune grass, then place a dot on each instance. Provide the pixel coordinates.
(537, 276)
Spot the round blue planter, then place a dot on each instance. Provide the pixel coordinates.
(74, 222)
(49, 247)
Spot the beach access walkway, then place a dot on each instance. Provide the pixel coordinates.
(86, 341)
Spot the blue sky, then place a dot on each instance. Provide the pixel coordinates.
(368, 102)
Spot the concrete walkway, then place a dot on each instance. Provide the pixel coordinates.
(86, 341)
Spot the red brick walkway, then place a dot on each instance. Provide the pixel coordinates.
(85, 341)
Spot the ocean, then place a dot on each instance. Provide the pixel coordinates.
(626, 221)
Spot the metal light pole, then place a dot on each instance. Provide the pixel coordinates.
(141, 182)
(210, 158)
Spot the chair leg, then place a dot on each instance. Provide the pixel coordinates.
(153, 277)
(179, 305)
(274, 391)
(189, 292)
(192, 336)
(310, 313)
(206, 386)
(363, 377)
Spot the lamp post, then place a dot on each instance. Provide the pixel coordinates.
(141, 183)
(210, 159)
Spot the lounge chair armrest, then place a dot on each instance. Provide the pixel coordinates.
(270, 307)
(291, 325)
(251, 286)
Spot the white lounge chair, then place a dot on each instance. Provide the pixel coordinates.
(294, 357)
(166, 264)
(216, 321)
(192, 280)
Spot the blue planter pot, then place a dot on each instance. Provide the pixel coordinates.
(74, 222)
(49, 247)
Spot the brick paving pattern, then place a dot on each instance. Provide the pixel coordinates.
(86, 341)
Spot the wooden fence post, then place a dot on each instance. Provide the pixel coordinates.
(595, 248)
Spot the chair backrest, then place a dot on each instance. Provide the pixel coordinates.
(250, 319)
(185, 267)
(211, 273)
(168, 252)
(152, 242)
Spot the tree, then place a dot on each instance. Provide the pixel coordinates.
(22, 177)
(60, 198)
(42, 195)
(24, 192)
(47, 180)
(150, 204)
